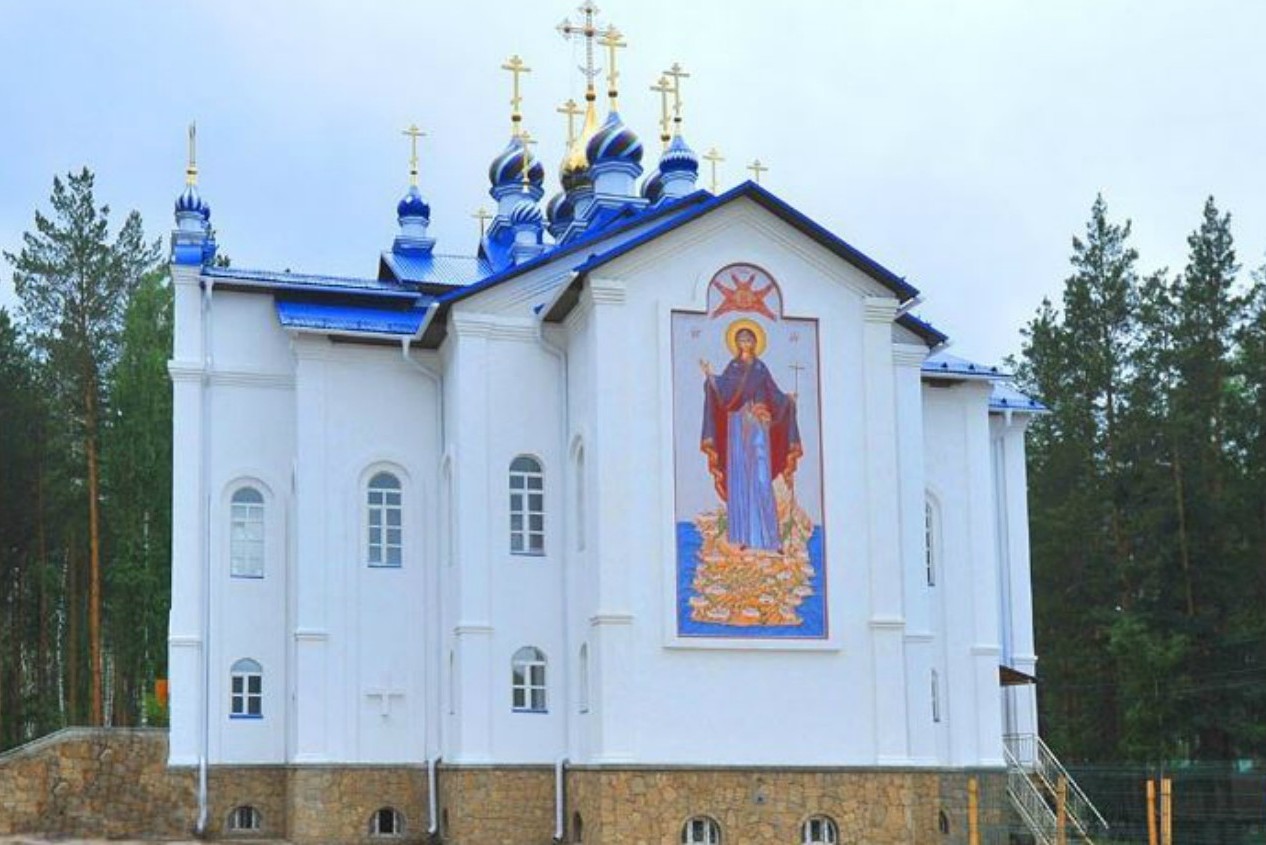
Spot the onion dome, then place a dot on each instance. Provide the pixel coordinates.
(507, 168)
(526, 213)
(560, 209)
(653, 186)
(412, 205)
(678, 157)
(614, 142)
(190, 202)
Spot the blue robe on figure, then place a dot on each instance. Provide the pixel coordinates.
(751, 437)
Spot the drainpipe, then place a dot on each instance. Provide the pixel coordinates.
(560, 801)
(200, 826)
(432, 795)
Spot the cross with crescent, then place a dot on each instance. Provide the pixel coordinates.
(516, 66)
(588, 30)
(572, 111)
(757, 169)
(677, 75)
(713, 156)
(414, 134)
(663, 87)
(191, 172)
(612, 40)
(482, 216)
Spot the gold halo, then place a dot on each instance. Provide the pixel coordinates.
(731, 336)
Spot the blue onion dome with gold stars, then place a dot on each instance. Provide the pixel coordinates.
(653, 186)
(191, 202)
(678, 157)
(412, 205)
(526, 213)
(506, 169)
(614, 142)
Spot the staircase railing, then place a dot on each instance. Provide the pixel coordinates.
(1029, 801)
(1033, 755)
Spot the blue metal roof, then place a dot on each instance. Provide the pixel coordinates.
(302, 281)
(322, 316)
(1006, 398)
(433, 269)
(944, 364)
(931, 335)
(903, 289)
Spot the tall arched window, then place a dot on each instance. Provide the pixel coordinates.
(527, 680)
(385, 523)
(819, 830)
(930, 541)
(527, 506)
(936, 696)
(584, 678)
(580, 498)
(701, 830)
(246, 534)
(246, 689)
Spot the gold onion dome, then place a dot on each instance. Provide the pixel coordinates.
(575, 169)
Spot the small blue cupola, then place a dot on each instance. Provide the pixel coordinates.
(678, 168)
(506, 176)
(193, 241)
(413, 213)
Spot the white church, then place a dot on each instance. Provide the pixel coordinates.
(658, 517)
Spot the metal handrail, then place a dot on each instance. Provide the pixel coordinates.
(1029, 801)
(1075, 793)
(1034, 755)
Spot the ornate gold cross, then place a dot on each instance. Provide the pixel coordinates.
(757, 169)
(191, 171)
(414, 134)
(712, 157)
(526, 139)
(612, 40)
(516, 66)
(677, 75)
(588, 30)
(663, 88)
(572, 110)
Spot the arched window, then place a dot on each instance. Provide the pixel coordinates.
(819, 830)
(386, 538)
(527, 506)
(452, 683)
(942, 822)
(930, 541)
(244, 819)
(246, 690)
(701, 830)
(527, 679)
(246, 534)
(386, 821)
(580, 498)
(577, 828)
(584, 678)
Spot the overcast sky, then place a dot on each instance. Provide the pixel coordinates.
(960, 144)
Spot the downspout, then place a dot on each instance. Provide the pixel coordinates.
(560, 800)
(433, 798)
(200, 826)
(560, 792)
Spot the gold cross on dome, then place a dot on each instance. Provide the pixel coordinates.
(517, 67)
(663, 88)
(526, 139)
(572, 110)
(757, 169)
(483, 217)
(612, 40)
(414, 134)
(191, 171)
(677, 75)
(713, 157)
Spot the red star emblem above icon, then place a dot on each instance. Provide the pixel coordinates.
(744, 298)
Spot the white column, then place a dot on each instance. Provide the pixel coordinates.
(1014, 509)
(311, 585)
(883, 497)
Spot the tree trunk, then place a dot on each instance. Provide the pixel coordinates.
(1184, 552)
(72, 630)
(96, 665)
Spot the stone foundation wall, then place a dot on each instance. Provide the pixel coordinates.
(116, 784)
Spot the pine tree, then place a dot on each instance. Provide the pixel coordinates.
(73, 284)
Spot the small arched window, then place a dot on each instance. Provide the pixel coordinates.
(584, 678)
(527, 679)
(527, 506)
(244, 819)
(246, 533)
(942, 822)
(246, 690)
(819, 830)
(577, 828)
(936, 696)
(385, 521)
(701, 830)
(386, 821)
